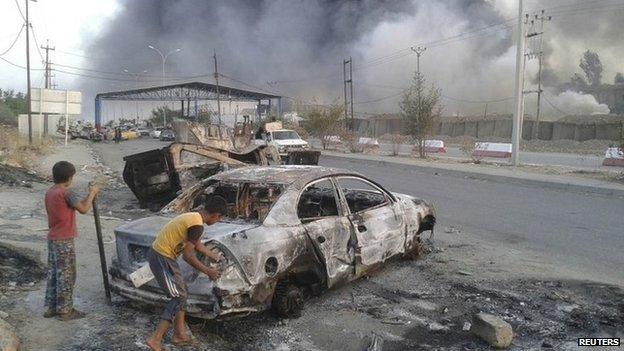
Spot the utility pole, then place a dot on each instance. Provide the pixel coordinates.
(351, 88)
(344, 83)
(28, 76)
(539, 53)
(419, 50)
(519, 84)
(348, 101)
(216, 76)
(48, 81)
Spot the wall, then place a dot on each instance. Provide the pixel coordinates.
(37, 124)
(501, 128)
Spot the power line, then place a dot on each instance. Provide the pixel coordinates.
(377, 100)
(36, 43)
(20, 10)
(19, 66)
(14, 41)
(555, 107)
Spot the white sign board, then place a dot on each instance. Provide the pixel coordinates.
(55, 101)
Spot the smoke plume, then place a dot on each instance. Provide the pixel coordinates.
(295, 47)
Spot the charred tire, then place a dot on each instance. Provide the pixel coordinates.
(287, 300)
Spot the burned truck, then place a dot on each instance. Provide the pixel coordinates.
(157, 176)
(290, 231)
(291, 148)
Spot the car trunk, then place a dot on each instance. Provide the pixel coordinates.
(134, 239)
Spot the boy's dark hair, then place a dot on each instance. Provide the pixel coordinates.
(62, 171)
(215, 204)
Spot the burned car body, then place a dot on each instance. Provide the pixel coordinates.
(156, 176)
(293, 230)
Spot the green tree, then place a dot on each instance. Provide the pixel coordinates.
(158, 115)
(591, 65)
(7, 116)
(323, 122)
(420, 107)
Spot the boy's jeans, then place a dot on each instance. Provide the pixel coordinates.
(61, 276)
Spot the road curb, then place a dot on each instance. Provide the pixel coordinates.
(8, 339)
(485, 176)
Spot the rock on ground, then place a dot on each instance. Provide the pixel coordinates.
(8, 339)
(492, 329)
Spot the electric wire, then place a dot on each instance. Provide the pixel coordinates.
(20, 10)
(36, 43)
(14, 41)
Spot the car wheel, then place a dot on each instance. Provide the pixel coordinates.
(287, 300)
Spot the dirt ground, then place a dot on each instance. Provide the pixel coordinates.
(407, 305)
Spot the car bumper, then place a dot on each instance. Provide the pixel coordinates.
(195, 306)
(204, 306)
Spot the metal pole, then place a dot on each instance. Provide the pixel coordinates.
(48, 80)
(539, 75)
(28, 76)
(519, 83)
(344, 76)
(216, 75)
(163, 84)
(98, 232)
(136, 103)
(351, 93)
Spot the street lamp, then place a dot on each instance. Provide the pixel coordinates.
(164, 59)
(136, 86)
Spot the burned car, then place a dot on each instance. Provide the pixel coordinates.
(290, 231)
(157, 176)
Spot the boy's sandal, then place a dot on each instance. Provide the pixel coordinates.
(74, 314)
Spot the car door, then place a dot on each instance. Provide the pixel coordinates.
(328, 228)
(376, 219)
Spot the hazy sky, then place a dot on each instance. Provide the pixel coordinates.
(300, 44)
(69, 24)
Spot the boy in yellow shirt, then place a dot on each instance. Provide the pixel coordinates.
(181, 235)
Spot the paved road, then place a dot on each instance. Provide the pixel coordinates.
(583, 232)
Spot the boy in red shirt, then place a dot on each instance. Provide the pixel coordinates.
(61, 204)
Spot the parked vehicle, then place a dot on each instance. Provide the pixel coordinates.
(143, 132)
(155, 133)
(167, 135)
(290, 231)
(284, 140)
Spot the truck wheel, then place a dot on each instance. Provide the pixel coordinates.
(287, 300)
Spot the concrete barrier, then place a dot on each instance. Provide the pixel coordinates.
(502, 150)
(434, 147)
(369, 145)
(614, 157)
